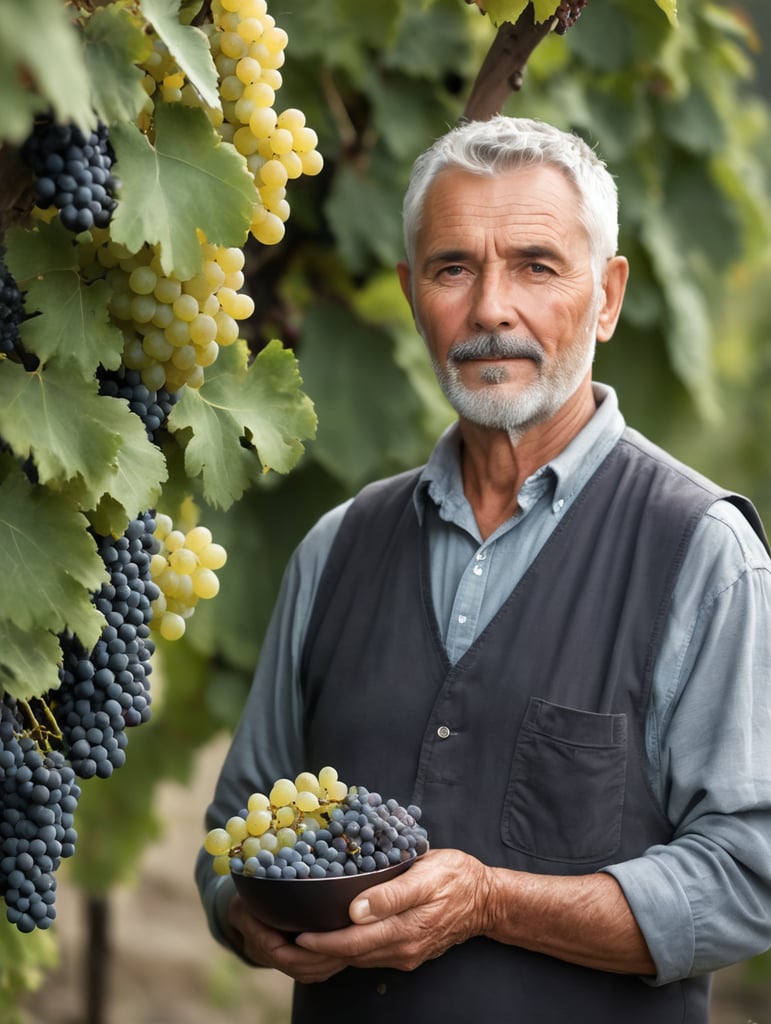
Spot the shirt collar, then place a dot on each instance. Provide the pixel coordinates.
(566, 474)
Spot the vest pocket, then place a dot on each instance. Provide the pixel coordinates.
(565, 797)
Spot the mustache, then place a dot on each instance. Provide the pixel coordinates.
(496, 346)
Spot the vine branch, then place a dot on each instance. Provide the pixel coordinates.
(503, 69)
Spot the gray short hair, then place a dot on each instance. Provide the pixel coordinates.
(508, 143)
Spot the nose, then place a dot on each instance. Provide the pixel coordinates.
(493, 306)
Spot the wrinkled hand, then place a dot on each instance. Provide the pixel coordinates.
(438, 903)
(269, 948)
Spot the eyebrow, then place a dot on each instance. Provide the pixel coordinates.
(534, 253)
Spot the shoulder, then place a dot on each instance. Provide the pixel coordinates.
(725, 515)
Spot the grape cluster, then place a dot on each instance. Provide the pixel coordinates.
(174, 328)
(316, 827)
(105, 690)
(248, 49)
(73, 173)
(12, 311)
(38, 798)
(151, 406)
(184, 570)
(567, 14)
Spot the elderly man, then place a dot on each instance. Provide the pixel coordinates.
(553, 637)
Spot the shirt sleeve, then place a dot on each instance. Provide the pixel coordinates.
(703, 901)
(267, 743)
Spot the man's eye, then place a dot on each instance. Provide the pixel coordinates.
(454, 270)
(540, 268)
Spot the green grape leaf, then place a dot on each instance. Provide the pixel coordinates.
(25, 960)
(544, 9)
(688, 333)
(499, 11)
(71, 431)
(115, 44)
(264, 404)
(363, 213)
(669, 7)
(349, 368)
(189, 180)
(187, 44)
(73, 322)
(28, 663)
(49, 564)
(127, 484)
(42, 57)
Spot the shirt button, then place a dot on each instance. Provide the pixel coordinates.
(477, 570)
(461, 619)
(443, 732)
(481, 556)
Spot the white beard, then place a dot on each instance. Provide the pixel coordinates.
(536, 402)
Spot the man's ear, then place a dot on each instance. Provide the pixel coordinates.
(405, 280)
(613, 289)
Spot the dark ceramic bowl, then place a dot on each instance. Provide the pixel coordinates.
(309, 904)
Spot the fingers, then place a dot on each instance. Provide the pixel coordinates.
(270, 948)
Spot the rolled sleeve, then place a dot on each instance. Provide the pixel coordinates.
(703, 901)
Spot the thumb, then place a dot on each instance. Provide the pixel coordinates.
(360, 911)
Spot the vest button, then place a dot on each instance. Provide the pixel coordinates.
(443, 732)
(381, 988)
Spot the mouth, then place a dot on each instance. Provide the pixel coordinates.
(495, 349)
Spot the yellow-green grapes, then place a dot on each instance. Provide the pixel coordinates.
(184, 570)
(174, 328)
(278, 818)
(248, 50)
(247, 47)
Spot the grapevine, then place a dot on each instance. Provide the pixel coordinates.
(141, 306)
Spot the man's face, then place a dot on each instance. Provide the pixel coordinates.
(503, 294)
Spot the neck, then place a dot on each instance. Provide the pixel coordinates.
(494, 467)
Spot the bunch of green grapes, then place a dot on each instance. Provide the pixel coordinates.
(247, 47)
(316, 827)
(276, 819)
(248, 50)
(184, 570)
(174, 328)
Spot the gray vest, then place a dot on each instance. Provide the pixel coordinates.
(529, 752)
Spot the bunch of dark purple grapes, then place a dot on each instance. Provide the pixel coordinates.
(73, 172)
(567, 14)
(12, 312)
(38, 798)
(106, 689)
(151, 406)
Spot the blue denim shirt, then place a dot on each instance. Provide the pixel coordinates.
(702, 901)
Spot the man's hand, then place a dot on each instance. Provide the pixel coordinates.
(415, 917)
(268, 948)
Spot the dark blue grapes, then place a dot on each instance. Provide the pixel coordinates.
(38, 798)
(12, 312)
(106, 690)
(152, 407)
(73, 172)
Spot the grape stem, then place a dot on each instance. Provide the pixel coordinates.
(503, 69)
(40, 732)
